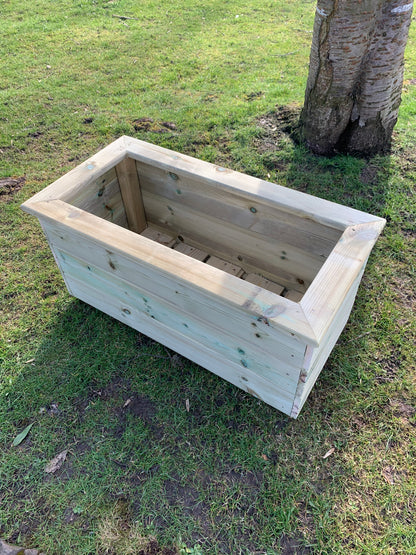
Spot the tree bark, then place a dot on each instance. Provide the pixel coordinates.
(355, 77)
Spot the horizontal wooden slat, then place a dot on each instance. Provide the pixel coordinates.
(191, 325)
(193, 252)
(238, 209)
(225, 266)
(255, 253)
(294, 203)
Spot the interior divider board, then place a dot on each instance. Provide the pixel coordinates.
(239, 209)
(131, 194)
(266, 390)
(248, 330)
(294, 269)
(147, 306)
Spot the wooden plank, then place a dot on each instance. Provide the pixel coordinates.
(225, 266)
(315, 358)
(193, 252)
(244, 378)
(225, 342)
(159, 236)
(102, 197)
(175, 214)
(292, 268)
(261, 281)
(292, 202)
(248, 330)
(239, 209)
(250, 333)
(131, 194)
(326, 295)
(78, 227)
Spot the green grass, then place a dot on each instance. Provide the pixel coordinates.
(232, 475)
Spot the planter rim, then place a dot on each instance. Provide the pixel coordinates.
(308, 319)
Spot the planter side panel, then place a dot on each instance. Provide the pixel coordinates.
(258, 359)
(236, 226)
(315, 359)
(102, 197)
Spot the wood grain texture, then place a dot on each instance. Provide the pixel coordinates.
(73, 226)
(131, 195)
(289, 201)
(216, 334)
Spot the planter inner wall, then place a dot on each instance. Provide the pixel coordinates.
(243, 236)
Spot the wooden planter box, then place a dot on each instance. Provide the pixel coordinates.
(251, 280)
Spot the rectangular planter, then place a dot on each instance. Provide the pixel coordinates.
(251, 280)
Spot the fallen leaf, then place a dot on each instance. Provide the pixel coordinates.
(329, 453)
(19, 438)
(265, 457)
(56, 463)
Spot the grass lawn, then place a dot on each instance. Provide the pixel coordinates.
(142, 475)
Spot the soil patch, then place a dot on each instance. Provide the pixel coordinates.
(9, 186)
(281, 124)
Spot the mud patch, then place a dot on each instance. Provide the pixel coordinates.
(141, 407)
(9, 186)
(152, 126)
(280, 125)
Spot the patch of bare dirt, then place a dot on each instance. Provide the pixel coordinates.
(152, 126)
(369, 174)
(280, 124)
(9, 186)
(402, 409)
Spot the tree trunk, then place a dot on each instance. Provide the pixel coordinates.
(355, 77)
